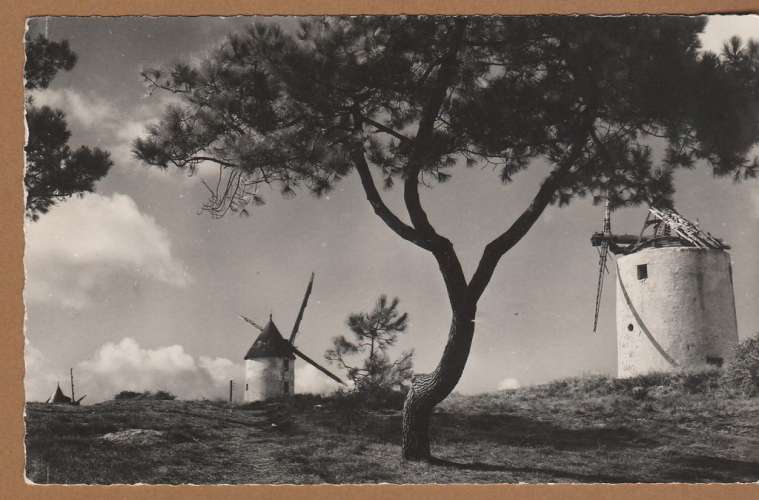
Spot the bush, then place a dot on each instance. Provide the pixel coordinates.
(640, 387)
(123, 395)
(382, 398)
(163, 396)
(145, 395)
(741, 375)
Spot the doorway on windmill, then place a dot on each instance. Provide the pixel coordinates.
(642, 271)
(287, 387)
(715, 361)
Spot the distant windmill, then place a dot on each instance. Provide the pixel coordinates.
(270, 362)
(58, 397)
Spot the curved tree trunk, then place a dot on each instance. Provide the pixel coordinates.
(427, 390)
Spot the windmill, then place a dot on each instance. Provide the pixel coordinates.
(270, 361)
(675, 301)
(59, 397)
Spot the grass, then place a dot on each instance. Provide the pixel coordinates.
(658, 428)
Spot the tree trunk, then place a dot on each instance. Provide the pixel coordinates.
(427, 390)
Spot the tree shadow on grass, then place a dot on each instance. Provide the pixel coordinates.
(520, 431)
(553, 473)
(702, 468)
(679, 469)
(513, 430)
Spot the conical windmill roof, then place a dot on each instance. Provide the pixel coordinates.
(59, 397)
(270, 344)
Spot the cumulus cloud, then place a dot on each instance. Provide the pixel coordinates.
(77, 249)
(86, 110)
(131, 130)
(508, 384)
(128, 366)
(310, 380)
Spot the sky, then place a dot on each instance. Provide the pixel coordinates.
(134, 289)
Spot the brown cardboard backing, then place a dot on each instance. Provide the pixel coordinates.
(12, 20)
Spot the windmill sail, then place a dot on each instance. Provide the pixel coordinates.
(302, 308)
(316, 365)
(251, 322)
(603, 256)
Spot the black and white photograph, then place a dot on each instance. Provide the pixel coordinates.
(391, 249)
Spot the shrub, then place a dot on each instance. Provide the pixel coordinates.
(163, 395)
(640, 387)
(701, 381)
(159, 395)
(741, 375)
(382, 398)
(128, 395)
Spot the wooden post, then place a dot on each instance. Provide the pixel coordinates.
(230, 390)
(71, 373)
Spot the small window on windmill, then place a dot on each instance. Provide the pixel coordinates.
(287, 366)
(642, 271)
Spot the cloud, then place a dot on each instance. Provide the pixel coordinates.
(310, 380)
(508, 384)
(89, 111)
(115, 130)
(127, 366)
(79, 248)
(132, 129)
(220, 369)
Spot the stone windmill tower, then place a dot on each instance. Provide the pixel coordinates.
(270, 361)
(675, 301)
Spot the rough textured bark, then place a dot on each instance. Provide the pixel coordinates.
(427, 390)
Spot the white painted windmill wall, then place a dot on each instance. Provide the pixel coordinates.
(268, 377)
(675, 310)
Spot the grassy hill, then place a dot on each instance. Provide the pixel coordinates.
(595, 429)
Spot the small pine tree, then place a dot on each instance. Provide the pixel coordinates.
(374, 333)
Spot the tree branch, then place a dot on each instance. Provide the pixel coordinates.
(441, 247)
(503, 243)
(383, 212)
(387, 130)
(198, 159)
(426, 130)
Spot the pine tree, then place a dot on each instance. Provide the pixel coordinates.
(374, 333)
(413, 99)
(53, 171)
